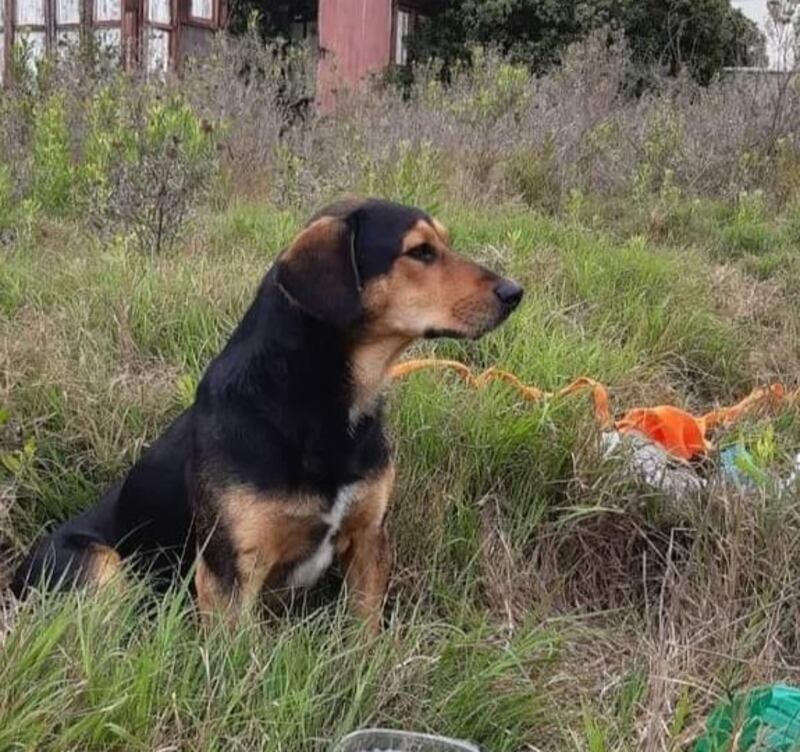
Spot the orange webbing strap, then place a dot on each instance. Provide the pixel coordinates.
(602, 410)
(681, 433)
(411, 366)
(762, 396)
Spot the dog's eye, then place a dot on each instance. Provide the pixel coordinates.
(424, 253)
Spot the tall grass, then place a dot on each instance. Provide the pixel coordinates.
(555, 143)
(119, 672)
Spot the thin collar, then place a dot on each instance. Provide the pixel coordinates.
(354, 262)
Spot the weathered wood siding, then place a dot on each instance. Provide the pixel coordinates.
(355, 40)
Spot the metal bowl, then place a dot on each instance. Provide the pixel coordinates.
(384, 740)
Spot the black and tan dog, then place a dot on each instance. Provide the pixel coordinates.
(282, 463)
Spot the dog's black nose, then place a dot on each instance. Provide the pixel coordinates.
(510, 293)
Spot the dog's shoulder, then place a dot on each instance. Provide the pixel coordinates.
(273, 409)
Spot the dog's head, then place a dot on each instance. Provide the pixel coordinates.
(390, 269)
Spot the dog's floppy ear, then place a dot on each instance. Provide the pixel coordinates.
(319, 272)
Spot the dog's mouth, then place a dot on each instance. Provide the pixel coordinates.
(445, 334)
(477, 321)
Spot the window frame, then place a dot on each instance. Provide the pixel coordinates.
(415, 11)
(129, 28)
(94, 25)
(399, 44)
(170, 29)
(107, 23)
(7, 31)
(206, 23)
(67, 26)
(164, 26)
(43, 28)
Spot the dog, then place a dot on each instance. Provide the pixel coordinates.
(282, 464)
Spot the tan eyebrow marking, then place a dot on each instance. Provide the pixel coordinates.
(441, 230)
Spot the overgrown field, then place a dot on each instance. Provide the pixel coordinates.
(542, 598)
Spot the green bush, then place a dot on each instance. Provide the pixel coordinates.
(750, 232)
(791, 230)
(699, 37)
(533, 175)
(52, 171)
(6, 198)
(130, 159)
(786, 174)
(409, 174)
(147, 160)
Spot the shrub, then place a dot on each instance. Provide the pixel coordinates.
(411, 175)
(792, 228)
(786, 179)
(262, 94)
(147, 160)
(82, 140)
(749, 231)
(6, 198)
(134, 157)
(51, 164)
(533, 175)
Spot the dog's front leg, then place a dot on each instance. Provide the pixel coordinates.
(229, 595)
(244, 536)
(365, 550)
(368, 564)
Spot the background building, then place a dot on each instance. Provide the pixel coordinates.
(155, 34)
(354, 39)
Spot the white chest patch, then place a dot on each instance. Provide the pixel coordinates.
(309, 571)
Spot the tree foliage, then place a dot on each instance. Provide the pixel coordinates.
(699, 35)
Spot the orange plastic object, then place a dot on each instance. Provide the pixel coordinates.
(680, 433)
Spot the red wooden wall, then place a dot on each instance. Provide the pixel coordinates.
(355, 39)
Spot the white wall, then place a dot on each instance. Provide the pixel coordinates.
(781, 55)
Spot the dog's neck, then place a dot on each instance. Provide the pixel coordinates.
(353, 368)
(280, 354)
(371, 360)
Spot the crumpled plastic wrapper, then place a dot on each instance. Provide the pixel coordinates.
(653, 465)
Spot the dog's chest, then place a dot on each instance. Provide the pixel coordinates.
(308, 572)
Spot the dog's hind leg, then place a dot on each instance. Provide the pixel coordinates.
(62, 561)
(104, 565)
(213, 595)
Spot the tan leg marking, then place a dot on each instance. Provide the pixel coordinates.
(365, 550)
(212, 597)
(105, 565)
(265, 532)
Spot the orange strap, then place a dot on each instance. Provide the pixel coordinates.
(531, 393)
(771, 395)
(679, 432)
